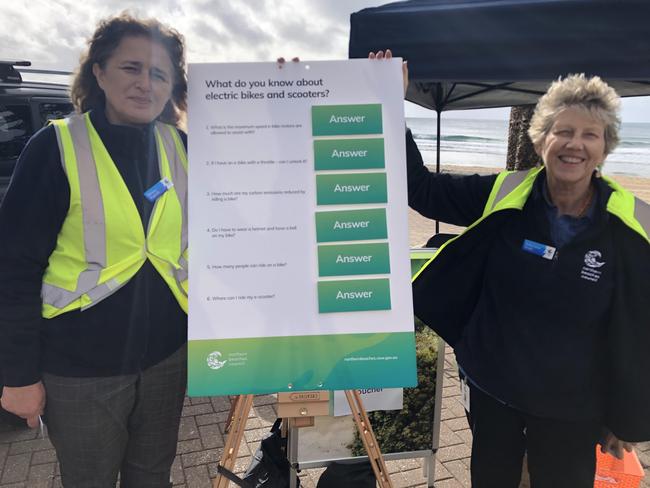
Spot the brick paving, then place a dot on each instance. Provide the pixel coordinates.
(27, 461)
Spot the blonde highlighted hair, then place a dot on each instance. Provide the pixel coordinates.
(589, 93)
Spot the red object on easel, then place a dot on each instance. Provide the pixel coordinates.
(619, 473)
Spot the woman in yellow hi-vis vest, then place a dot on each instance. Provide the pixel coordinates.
(93, 273)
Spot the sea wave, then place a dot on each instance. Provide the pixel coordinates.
(455, 138)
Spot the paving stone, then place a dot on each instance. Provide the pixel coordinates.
(259, 423)
(177, 472)
(466, 435)
(183, 447)
(197, 477)
(221, 403)
(16, 468)
(246, 450)
(41, 476)
(201, 457)
(448, 483)
(57, 482)
(393, 466)
(260, 400)
(43, 457)
(4, 450)
(255, 435)
(15, 485)
(457, 423)
(452, 453)
(197, 409)
(266, 414)
(307, 482)
(211, 418)
(449, 391)
(454, 405)
(187, 402)
(18, 434)
(447, 414)
(644, 458)
(188, 429)
(415, 477)
(448, 437)
(408, 464)
(242, 464)
(199, 400)
(397, 479)
(211, 436)
(442, 473)
(460, 472)
(30, 446)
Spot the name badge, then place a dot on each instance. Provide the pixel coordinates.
(153, 193)
(541, 250)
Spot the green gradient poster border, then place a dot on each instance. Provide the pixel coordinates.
(325, 362)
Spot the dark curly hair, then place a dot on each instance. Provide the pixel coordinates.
(86, 93)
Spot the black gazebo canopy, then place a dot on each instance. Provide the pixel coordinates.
(492, 53)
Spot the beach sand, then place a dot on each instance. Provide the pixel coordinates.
(421, 228)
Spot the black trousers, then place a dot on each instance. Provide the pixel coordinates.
(561, 454)
(118, 424)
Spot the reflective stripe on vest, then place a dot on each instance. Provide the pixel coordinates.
(102, 243)
(512, 188)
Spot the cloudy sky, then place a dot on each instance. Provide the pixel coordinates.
(52, 33)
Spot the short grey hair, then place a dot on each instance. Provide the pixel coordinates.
(591, 94)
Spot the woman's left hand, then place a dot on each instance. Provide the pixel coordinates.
(389, 55)
(615, 446)
(281, 61)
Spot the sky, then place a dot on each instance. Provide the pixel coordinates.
(53, 33)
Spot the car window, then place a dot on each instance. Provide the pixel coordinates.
(51, 111)
(15, 129)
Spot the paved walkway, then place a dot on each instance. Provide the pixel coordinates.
(27, 461)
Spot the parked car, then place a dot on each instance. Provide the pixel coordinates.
(25, 107)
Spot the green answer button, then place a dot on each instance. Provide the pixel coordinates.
(351, 225)
(336, 120)
(353, 259)
(348, 154)
(349, 188)
(353, 295)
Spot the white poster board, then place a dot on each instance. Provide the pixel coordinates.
(299, 256)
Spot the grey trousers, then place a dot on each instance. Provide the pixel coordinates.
(119, 424)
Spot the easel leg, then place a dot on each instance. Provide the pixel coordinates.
(368, 438)
(236, 432)
(292, 452)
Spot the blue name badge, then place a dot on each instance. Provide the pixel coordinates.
(541, 250)
(153, 193)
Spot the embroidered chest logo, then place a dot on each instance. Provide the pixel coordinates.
(591, 270)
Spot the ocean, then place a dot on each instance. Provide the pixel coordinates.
(484, 143)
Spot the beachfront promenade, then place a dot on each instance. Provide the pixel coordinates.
(27, 461)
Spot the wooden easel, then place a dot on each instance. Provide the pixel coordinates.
(237, 423)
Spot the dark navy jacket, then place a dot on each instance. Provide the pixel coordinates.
(544, 336)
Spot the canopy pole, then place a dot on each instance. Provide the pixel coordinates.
(438, 115)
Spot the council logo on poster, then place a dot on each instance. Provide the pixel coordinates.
(214, 361)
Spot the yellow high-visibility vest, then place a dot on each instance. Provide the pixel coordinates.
(102, 243)
(512, 188)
